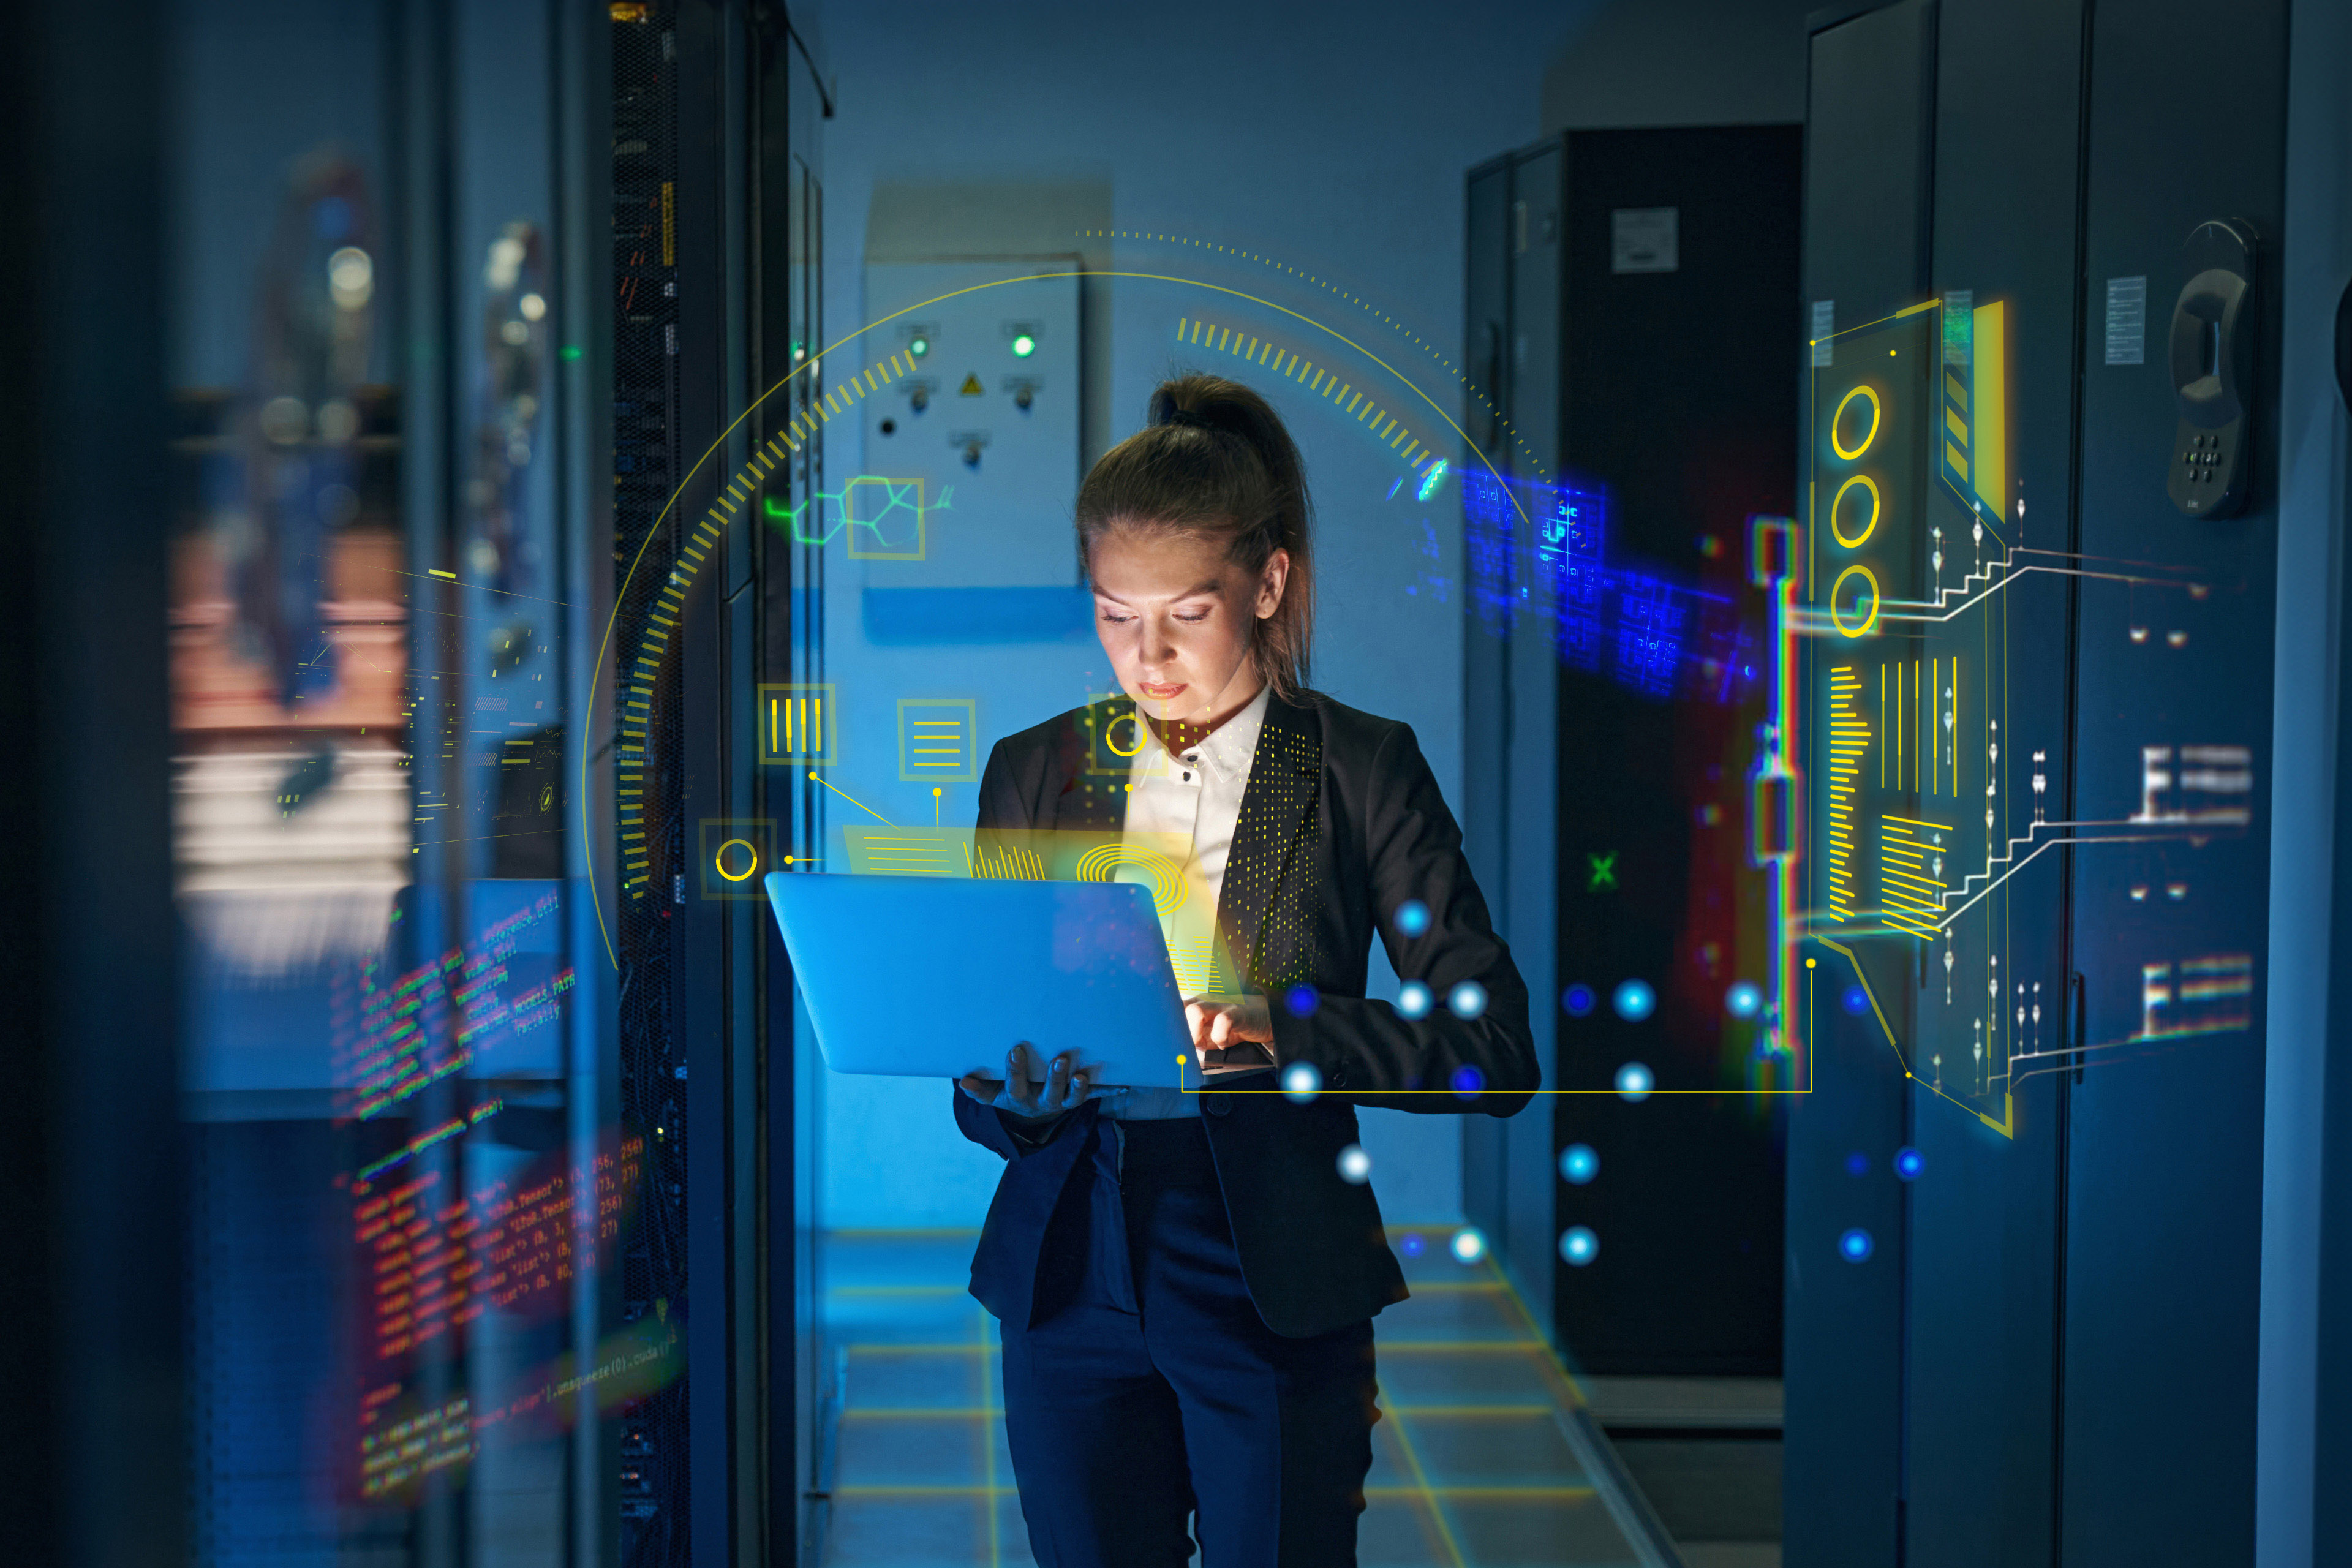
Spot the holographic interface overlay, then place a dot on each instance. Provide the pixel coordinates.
(1928, 792)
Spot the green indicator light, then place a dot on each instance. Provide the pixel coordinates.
(571, 351)
(919, 347)
(1024, 346)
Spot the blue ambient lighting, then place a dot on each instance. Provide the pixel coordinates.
(1467, 1082)
(1413, 999)
(1468, 1244)
(1634, 1000)
(1855, 1245)
(1578, 999)
(1412, 917)
(1433, 478)
(1301, 1082)
(1857, 1163)
(1579, 1245)
(1302, 1001)
(1579, 1163)
(1908, 1165)
(1466, 1000)
(1743, 1000)
(1856, 1000)
(1409, 1244)
(1355, 1165)
(1634, 1083)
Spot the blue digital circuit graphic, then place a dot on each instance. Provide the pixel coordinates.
(1538, 553)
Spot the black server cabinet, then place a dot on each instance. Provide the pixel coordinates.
(1632, 306)
(2065, 1031)
(717, 244)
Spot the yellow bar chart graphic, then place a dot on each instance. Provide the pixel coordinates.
(796, 722)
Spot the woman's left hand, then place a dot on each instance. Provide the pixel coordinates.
(1220, 1023)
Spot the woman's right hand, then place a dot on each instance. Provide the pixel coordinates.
(1062, 1090)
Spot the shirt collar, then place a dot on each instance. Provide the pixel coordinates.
(1226, 755)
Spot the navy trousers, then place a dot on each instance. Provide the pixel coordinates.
(1149, 1389)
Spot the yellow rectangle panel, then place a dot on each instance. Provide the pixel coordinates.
(1957, 459)
(1957, 426)
(1957, 390)
(1991, 417)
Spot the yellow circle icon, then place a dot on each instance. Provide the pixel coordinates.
(718, 861)
(1870, 621)
(1870, 486)
(1839, 418)
(1111, 730)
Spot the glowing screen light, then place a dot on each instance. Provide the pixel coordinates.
(1743, 1000)
(1413, 999)
(1855, 1245)
(1355, 1165)
(1579, 1163)
(1412, 917)
(1466, 1000)
(1577, 1000)
(1634, 1000)
(1908, 1165)
(1634, 1083)
(1579, 1245)
(1024, 345)
(1301, 1082)
(1468, 1246)
(1433, 478)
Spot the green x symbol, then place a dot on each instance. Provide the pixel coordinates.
(1604, 872)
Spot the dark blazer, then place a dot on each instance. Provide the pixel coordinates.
(1342, 823)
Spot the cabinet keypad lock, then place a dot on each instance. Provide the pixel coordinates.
(2213, 359)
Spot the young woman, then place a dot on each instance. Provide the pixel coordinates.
(1185, 1281)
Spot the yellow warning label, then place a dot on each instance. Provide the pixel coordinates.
(970, 387)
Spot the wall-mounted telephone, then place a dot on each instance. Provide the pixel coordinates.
(2213, 356)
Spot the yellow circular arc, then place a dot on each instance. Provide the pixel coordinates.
(718, 861)
(1870, 621)
(1867, 483)
(1867, 436)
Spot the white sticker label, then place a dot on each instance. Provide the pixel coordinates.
(1643, 240)
(2127, 321)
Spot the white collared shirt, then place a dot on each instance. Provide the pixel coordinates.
(1194, 796)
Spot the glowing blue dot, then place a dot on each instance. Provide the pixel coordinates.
(1579, 1163)
(1578, 999)
(1908, 1165)
(1467, 1082)
(1301, 1082)
(1857, 1163)
(1467, 1245)
(1579, 1245)
(1634, 1000)
(1634, 1083)
(1855, 1245)
(1856, 1000)
(1413, 999)
(1355, 1165)
(1412, 917)
(1302, 1001)
(1430, 480)
(1466, 1000)
(1743, 1000)
(1409, 1244)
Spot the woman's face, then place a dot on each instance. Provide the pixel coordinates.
(1176, 618)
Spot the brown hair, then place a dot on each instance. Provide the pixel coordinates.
(1216, 463)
